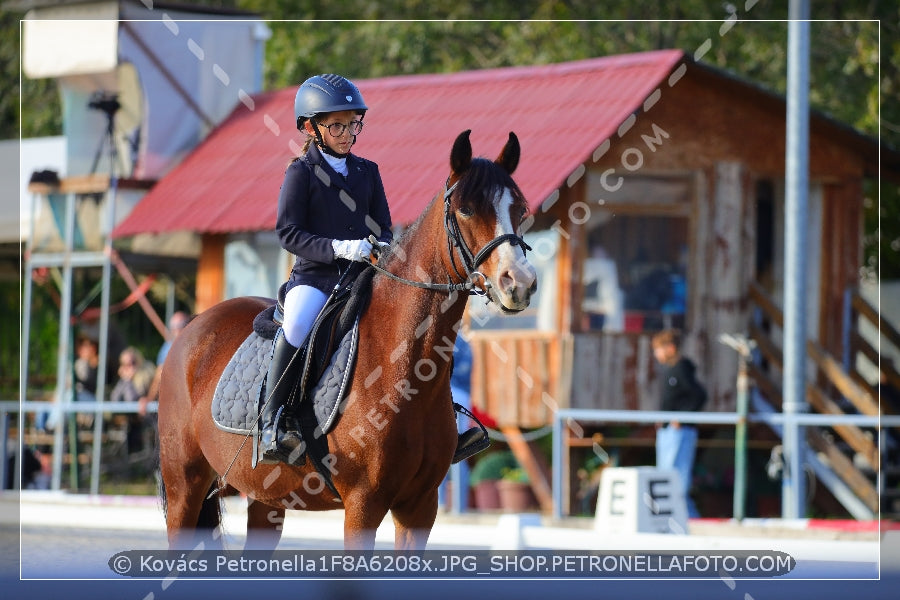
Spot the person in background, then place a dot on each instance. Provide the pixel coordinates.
(87, 361)
(676, 443)
(135, 377)
(86, 370)
(604, 301)
(460, 389)
(177, 322)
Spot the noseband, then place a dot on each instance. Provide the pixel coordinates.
(470, 261)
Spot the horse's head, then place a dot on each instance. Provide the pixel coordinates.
(483, 210)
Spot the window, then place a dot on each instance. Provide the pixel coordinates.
(635, 273)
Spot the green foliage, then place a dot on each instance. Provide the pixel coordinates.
(853, 43)
(491, 467)
(517, 475)
(9, 341)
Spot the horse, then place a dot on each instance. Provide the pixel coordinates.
(395, 439)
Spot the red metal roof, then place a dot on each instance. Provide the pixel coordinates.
(560, 112)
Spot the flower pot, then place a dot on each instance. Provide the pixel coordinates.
(516, 496)
(486, 495)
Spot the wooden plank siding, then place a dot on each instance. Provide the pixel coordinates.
(516, 376)
(613, 371)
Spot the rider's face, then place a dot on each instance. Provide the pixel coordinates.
(340, 143)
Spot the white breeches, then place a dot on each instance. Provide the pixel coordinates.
(301, 306)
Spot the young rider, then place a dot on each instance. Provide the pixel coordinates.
(331, 200)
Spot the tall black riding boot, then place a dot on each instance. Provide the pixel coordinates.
(280, 440)
(470, 443)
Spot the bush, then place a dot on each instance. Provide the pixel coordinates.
(492, 466)
(517, 475)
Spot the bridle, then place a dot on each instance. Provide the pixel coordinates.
(470, 261)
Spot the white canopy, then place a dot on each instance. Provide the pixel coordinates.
(175, 77)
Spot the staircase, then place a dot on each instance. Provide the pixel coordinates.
(857, 465)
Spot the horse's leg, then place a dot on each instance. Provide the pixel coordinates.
(264, 526)
(186, 492)
(361, 519)
(187, 477)
(413, 521)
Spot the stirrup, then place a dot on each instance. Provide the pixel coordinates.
(470, 443)
(287, 444)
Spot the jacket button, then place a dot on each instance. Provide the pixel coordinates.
(351, 228)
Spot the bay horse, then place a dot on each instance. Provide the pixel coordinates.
(394, 441)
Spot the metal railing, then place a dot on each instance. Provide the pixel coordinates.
(58, 409)
(564, 416)
(561, 418)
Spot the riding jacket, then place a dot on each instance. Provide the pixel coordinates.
(317, 205)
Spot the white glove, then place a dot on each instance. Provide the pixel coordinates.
(358, 250)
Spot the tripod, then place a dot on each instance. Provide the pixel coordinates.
(109, 104)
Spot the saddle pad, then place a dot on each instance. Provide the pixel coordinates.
(236, 399)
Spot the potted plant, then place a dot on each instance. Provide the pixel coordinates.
(515, 490)
(486, 474)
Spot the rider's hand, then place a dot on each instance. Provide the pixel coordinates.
(358, 250)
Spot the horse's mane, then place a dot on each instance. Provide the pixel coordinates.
(480, 181)
(477, 185)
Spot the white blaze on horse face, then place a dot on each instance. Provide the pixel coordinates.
(516, 277)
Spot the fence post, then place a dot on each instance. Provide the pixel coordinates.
(743, 347)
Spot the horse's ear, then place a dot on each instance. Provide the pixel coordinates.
(461, 155)
(509, 156)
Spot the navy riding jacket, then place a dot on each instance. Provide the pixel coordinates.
(317, 205)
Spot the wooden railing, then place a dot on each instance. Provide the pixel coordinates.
(831, 375)
(858, 344)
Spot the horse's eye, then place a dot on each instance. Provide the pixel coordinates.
(523, 213)
(465, 211)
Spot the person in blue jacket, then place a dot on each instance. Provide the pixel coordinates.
(330, 202)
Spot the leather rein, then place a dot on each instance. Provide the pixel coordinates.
(470, 261)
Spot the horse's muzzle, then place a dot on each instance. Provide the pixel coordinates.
(515, 287)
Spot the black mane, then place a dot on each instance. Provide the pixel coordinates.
(481, 180)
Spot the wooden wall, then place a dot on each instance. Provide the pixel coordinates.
(517, 377)
(724, 142)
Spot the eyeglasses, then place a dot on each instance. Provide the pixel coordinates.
(337, 129)
(126, 364)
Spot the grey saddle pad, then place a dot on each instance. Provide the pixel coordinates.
(235, 401)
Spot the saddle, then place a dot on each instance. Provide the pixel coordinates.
(334, 322)
(328, 359)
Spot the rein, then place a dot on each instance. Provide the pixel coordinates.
(471, 261)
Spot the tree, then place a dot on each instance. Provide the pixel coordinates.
(378, 39)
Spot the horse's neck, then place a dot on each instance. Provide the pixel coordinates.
(422, 256)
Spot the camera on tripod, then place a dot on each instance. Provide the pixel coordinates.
(105, 101)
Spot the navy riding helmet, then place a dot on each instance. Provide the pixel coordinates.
(324, 94)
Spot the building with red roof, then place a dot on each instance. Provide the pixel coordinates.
(656, 186)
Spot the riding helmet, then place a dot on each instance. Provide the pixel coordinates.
(325, 94)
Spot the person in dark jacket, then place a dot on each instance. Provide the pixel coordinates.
(330, 202)
(676, 443)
